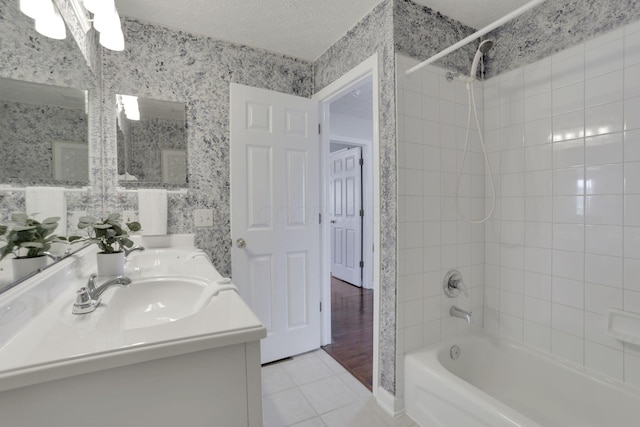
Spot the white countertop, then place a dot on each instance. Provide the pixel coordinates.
(55, 344)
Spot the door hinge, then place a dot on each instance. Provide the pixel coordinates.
(361, 162)
(361, 264)
(321, 306)
(361, 212)
(319, 129)
(319, 218)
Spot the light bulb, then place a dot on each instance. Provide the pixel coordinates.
(131, 109)
(112, 39)
(106, 19)
(34, 8)
(51, 24)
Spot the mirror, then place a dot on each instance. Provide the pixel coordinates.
(45, 89)
(43, 134)
(152, 142)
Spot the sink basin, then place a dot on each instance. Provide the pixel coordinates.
(174, 261)
(155, 301)
(159, 257)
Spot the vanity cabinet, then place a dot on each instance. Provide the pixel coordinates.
(213, 387)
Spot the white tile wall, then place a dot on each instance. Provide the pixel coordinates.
(432, 117)
(579, 154)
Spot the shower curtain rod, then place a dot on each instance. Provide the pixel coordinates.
(519, 11)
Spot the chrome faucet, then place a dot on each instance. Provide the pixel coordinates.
(57, 257)
(458, 312)
(127, 251)
(88, 298)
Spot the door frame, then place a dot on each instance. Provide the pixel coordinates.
(345, 83)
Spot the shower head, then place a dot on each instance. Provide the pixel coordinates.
(484, 47)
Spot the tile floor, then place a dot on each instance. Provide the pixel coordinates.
(313, 390)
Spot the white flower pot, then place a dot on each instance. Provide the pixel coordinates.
(24, 266)
(111, 264)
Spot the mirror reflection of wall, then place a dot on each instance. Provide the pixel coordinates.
(43, 133)
(152, 143)
(44, 128)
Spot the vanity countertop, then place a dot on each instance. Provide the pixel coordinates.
(54, 343)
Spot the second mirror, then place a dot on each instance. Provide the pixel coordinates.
(152, 143)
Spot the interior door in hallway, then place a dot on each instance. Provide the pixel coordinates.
(275, 194)
(346, 215)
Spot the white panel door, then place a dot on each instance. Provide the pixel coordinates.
(275, 206)
(346, 222)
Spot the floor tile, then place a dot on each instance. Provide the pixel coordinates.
(285, 408)
(330, 362)
(275, 379)
(354, 415)
(356, 386)
(313, 422)
(328, 394)
(364, 414)
(307, 369)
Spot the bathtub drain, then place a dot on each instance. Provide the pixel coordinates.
(454, 352)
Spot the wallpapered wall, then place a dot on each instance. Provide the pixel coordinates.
(26, 55)
(27, 132)
(145, 140)
(176, 66)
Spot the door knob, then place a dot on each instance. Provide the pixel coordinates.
(333, 221)
(241, 243)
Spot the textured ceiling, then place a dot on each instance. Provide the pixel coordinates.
(357, 102)
(300, 28)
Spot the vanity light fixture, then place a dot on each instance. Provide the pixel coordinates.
(49, 23)
(130, 105)
(106, 21)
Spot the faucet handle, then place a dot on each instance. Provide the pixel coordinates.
(459, 284)
(91, 283)
(82, 296)
(453, 284)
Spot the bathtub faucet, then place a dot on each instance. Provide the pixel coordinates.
(88, 298)
(458, 312)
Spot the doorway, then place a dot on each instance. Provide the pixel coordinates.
(348, 175)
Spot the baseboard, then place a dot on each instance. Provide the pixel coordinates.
(391, 404)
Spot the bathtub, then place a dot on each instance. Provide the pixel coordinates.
(495, 384)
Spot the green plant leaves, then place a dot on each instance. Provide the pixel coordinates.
(27, 233)
(107, 233)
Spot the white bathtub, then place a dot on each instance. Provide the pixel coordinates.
(499, 384)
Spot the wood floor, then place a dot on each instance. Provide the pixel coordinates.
(352, 329)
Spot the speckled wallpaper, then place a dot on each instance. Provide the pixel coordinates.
(145, 140)
(28, 56)
(374, 34)
(421, 32)
(176, 66)
(27, 132)
(554, 26)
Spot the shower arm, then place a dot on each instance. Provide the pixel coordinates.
(477, 34)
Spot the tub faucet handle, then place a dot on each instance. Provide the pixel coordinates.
(453, 284)
(459, 284)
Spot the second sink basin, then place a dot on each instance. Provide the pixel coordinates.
(155, 301)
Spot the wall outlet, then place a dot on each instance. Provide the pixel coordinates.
(129, 216)
(203, 217)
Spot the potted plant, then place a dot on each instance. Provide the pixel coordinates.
(111, 237)
(28, 240)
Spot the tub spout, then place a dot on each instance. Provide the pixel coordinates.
(458, 312)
